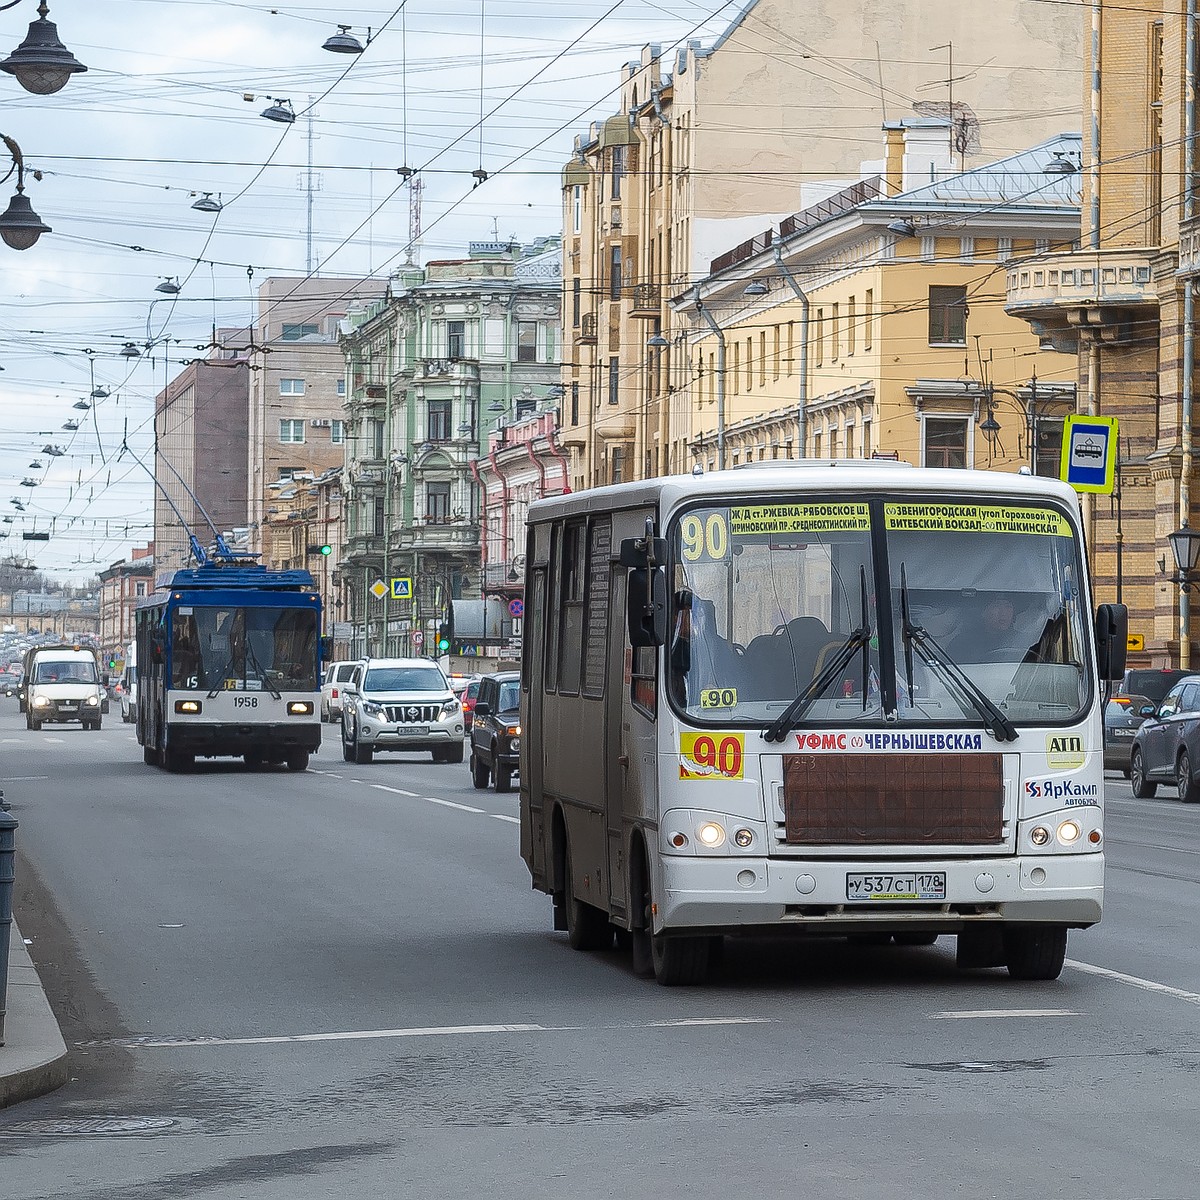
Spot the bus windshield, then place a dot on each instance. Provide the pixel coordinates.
(243, 649)
(775, 601)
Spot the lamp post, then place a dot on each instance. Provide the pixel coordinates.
(20, 226)
(41, 63)
(712, 324)
(1185, 548)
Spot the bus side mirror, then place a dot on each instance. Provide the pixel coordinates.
(325, 648)
(1112, 640)
(647, 600)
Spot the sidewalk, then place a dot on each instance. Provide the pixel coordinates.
(33, 1059)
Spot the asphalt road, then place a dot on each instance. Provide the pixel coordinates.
(339, 984)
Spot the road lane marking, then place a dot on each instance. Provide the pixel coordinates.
(23, 778)
(57, 741)
(452, 804)
(968, 1014)
(383, 787)
(1147, 985)
(355, 1035)
(501, 817)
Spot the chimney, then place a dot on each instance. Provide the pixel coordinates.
(893, 167)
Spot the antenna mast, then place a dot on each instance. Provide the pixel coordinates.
(415, 187)
(311, 183)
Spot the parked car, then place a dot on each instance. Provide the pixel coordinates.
(400, 704)
(1150, 682)
(1122, 718)
(469, 695)
(332, 688)
(1166, 747)
(496, 731)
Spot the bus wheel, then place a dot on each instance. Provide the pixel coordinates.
(178, 762)
(680, 961)
(149, 756)
(298, 760)
(1036, 953)
(587, 927)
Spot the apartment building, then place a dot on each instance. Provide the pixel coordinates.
(711, 145)
(122, 585)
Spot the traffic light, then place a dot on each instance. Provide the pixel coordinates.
(443, 642)
(112, 664)
(327, 550)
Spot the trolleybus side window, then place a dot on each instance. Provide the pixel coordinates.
(570, 645)
(552, 615)
(599, 572)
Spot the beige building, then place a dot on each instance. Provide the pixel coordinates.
(297, 388)
(873, 323)
(709, 147)
(1125, 302)
(122, 585)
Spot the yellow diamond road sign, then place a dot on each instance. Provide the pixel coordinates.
(379, 589)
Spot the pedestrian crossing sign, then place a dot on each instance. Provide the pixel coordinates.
(402, 588)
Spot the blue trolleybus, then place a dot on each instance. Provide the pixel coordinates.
(228, 664)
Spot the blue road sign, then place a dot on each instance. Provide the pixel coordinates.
(1089, 453)
(402, 588)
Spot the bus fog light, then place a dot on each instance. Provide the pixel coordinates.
(711, 834)
(1094, 837)
(678, 840)
(1039, 835)
(1068, 832)
(743, 838)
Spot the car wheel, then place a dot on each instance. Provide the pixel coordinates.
(1189, 793)
(347, 745)
(480, 776)
(363, 754)
(1036, 953)
(298, 760)
(1143, 789)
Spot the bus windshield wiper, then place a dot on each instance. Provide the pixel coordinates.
(956, 680)
(859, 639)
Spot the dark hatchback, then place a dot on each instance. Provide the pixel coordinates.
(1166, 747)
(496, 731)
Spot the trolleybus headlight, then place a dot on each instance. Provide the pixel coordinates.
(1039, 835)
(188, 706)
(300, 708)
(1069, 832)
(743, 838)
(711, 834)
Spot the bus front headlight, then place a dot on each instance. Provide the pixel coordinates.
(711, 834)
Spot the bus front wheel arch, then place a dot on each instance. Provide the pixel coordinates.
(681, 960)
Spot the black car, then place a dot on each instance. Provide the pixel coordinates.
(1122, 718)
(1166, 747)
(496, 731)
(1151, 682)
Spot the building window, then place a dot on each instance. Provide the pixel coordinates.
(291, 387)
(614, 273)
(618, 169)
(456, 339)
(291, 432)
(437, 503)
(337, 432)
(816, 445)
(341, 387)
(762, 359)
(576, 300)
(791, 346)
(577, 208)
(775, 354)
(139, 588)
(868, 319)
(945, 442)
(749, 363)
(819, 339)
(866, 439)
(527, 341)
(849, 441)
(947, 316)
(614, 380)
(574, 403)
(1048, 459)
(851, 316)
(835, 332)
(374, 438)
(379, 524)
(617, 465)
(737, 366)
(439, 421)
(293, 333)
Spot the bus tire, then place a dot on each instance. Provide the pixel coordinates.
(642, 961)
(150, 756)
(480, 776)
(1035, 953)
(587, 927)
(298, 760)
(680, 961)
(1142, 788)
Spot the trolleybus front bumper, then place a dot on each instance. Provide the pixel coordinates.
(201, 738)
(731, 893)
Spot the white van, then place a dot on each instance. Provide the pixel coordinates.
(129, 685)
(63, 684)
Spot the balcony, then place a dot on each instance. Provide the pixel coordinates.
(363, 549)
(447, 368)
(587, 329)
(647, 301)
(452, 536)
(505, 576)
(1108, 292)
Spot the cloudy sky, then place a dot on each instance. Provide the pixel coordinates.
(169, 109)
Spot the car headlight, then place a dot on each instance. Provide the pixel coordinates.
(514, 744)
(450, 708)
(371, 709)
(40, 702)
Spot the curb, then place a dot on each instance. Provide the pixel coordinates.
(34, 1059)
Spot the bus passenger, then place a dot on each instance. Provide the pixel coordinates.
(700, 657)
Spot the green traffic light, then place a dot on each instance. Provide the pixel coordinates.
(443, 644)
(327, 550)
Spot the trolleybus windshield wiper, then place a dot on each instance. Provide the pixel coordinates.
(859, 639)
(957, 682)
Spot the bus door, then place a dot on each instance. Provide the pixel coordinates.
(620, 756)
(533, 739)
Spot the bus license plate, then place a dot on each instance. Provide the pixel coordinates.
(908, 885)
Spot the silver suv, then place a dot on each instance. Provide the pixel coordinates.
(400, 704)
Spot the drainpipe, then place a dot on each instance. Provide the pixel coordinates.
(539, 466)
(1189, 314)
(720, 378)
(494, 460)
(552, 446)
(473, 463)
(802, 398)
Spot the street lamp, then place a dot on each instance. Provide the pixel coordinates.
(207, 204)
(344, 42)
(41, 63)
(20, 226)
(1185, 548)
(280, 111)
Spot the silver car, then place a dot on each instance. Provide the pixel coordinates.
(401, 704)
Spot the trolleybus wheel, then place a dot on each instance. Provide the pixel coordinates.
(298, 760)
(480, 775)
(915, 939)
(587, 927)
(1035, 953)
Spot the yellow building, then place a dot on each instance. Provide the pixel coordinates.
(874, 322)
(710, 145)
(1125, 301)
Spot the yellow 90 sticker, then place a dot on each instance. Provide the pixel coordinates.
(718, 698)
(711, 755)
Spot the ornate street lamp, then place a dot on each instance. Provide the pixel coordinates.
(20, 226)
(41, 63)
(1185, 546)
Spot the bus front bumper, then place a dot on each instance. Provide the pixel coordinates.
(756, 894)
(213, 739)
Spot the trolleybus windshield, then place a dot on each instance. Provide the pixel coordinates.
(981, 604)
(225, 648)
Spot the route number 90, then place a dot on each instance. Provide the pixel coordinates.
(704, 537)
